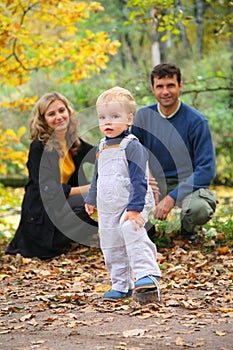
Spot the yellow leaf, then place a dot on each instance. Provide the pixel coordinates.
(100, 288)
(199, 344)
(10, 132)
(21, 131)
(179, 341)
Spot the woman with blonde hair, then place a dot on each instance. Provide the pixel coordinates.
(53, 214)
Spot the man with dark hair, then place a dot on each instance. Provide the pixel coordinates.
(182, 156)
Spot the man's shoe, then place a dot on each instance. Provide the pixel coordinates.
(114, 295)
(190, 236)
(152, 233)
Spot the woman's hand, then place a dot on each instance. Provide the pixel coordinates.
(135, 217)
(155, 188)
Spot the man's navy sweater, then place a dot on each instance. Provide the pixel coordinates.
(180, 147)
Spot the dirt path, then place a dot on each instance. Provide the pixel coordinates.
(58, 305)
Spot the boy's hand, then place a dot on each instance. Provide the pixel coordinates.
(136, 218)
(89, 209)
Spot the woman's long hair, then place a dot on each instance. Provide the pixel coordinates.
(39, 129)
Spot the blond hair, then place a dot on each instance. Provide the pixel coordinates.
(39, 129)
(119, 95)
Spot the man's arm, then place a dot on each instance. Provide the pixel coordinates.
(203, 162)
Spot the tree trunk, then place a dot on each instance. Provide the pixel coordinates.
(130, 46)
(122, 53)
(155, 47)
(231, 79)
(155, 53)
(199, 9)
(183, 35)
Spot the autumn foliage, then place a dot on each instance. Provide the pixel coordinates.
(8, 139)
(50, 36)
(47, 35)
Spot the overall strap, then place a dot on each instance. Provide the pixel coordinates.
(101, 144)
(126, 140)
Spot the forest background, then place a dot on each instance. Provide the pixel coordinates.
(81, 48)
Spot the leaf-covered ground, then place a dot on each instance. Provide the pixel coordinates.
(58, 304)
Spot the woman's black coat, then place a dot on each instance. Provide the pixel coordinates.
(45, 204)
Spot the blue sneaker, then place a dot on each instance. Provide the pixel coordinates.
(146, 283)
(114, 295)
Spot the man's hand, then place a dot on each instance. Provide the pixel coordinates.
(164, 207)
(135, 217)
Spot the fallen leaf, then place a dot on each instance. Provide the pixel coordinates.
(134, 332)
(221, 236)
(101, 288)
(172, 302)
(145, 315)
(37, 342)
(188, 304)
(33, 322)
(5, 332)
(223, 250)
(179, 341)
(220, 333)
(26, 317)
(199, 344)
